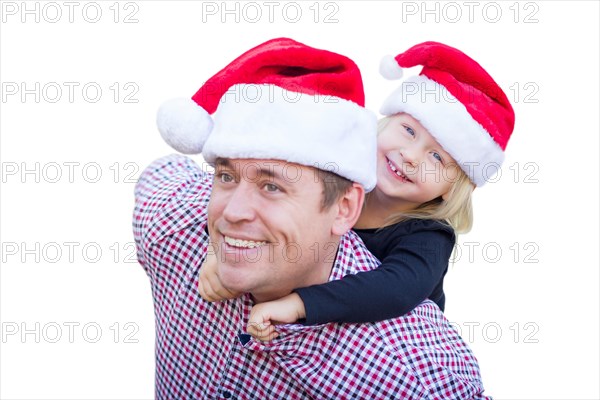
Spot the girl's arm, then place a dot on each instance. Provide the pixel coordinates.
(408, 274)
(286, 310)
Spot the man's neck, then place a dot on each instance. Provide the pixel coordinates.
(320, 274)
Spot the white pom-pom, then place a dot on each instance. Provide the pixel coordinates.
(184, 125)
(389, 68)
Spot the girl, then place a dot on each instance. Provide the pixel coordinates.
(444, 133)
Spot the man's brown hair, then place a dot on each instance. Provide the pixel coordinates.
(334, 187)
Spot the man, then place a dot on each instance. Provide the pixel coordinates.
(277, 218)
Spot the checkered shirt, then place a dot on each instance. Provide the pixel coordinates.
(203, 352)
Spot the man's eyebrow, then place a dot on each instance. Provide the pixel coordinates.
(226, 163)
(223, 163)
(268, 172)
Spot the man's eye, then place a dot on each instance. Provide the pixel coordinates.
(270, 187)
(225, 177)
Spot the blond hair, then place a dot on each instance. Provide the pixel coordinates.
(456, 210)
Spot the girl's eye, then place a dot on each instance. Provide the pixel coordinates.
(410, 130)
(438, 157)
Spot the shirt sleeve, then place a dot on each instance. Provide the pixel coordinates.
(406, 277)
(164, 194)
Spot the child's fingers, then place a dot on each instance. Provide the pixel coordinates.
(255, 328)
(262, 333)
(216, 289)
(224, 293)
(268, 336)
(204, 290)
(207, 291)
(260, 329)
(204, 286)
(210, 289)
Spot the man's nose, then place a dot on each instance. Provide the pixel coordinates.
(240, 205)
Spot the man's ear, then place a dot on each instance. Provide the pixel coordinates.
(349, 207)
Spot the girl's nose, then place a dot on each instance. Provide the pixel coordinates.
(408, 156)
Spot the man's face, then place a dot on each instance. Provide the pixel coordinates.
(267, 226)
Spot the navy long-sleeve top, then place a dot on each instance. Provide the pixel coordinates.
(414, 258)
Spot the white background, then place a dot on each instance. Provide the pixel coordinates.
(76, 310)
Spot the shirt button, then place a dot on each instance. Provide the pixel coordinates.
(226, 394)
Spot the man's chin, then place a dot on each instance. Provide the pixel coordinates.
(233, 278)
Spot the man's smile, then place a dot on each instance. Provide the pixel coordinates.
(243, 243)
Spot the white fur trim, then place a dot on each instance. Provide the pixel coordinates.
(389, 68)
(448, 120)
(268, 122)
(184, 125)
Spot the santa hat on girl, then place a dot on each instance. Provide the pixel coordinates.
(457, 101)
(280, 100)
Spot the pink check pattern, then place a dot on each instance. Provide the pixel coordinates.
(203, 352)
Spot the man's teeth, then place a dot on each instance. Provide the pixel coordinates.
(249, 244)
(400, 174)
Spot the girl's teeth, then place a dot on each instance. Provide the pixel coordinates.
(396, 171)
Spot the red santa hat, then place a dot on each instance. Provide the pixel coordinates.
(457, 101)
(280, 100)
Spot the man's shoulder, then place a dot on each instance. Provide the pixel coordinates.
(352, 257)
(171, 194)
(174, 172)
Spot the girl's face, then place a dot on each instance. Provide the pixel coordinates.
(412, 167)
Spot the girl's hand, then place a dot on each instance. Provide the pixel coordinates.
(209, 284)
(264, 316)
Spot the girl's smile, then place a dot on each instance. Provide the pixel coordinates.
(412, 167)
